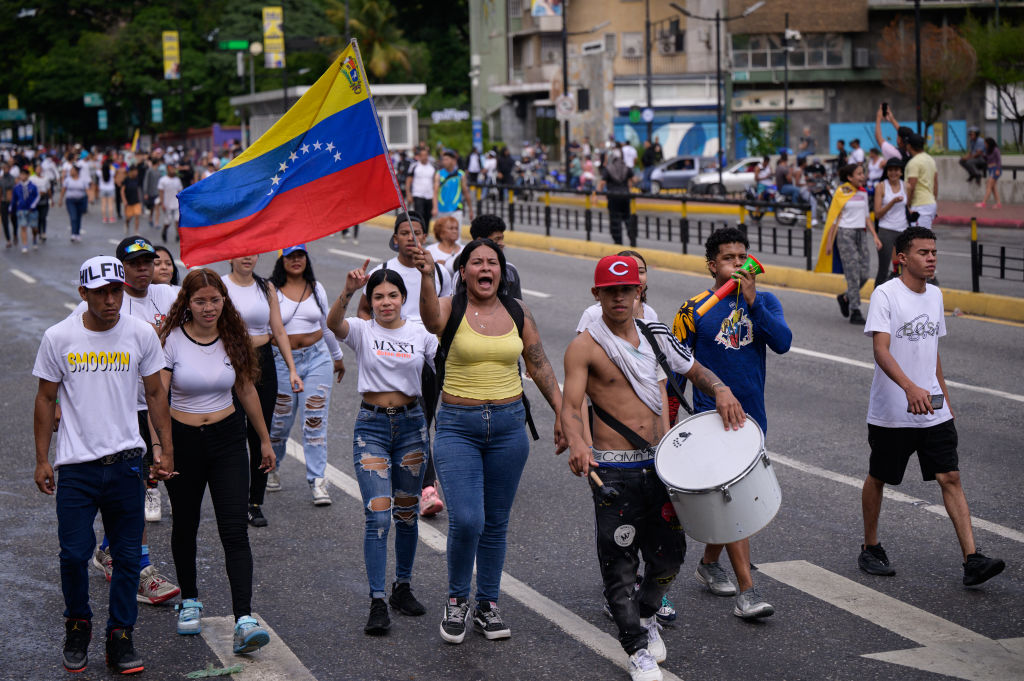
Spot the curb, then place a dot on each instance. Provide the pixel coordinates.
(962, 221)
(980, 304)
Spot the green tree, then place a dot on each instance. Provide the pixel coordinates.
(762, 141)
(1001, 65)
(373, 23)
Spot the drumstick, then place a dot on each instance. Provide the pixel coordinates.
(606, 494)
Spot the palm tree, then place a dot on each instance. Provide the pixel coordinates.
(372, 23)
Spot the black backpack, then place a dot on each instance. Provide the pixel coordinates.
(459, 301)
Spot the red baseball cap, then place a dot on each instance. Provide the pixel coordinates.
(617, 270)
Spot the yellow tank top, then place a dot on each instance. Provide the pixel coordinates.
(483, 367)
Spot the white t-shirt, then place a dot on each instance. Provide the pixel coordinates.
(167, 189)
(629, 155)
(201, 374)
(152, 309)
(914, 322)
(76, 189)
(855, 212)
(390, 359)
(97, 372)
(890, 150)
(593, 313)
(857, 155)
(308, 317)
(423, 180)
(252, 305)
(412, 277)
(447, 260)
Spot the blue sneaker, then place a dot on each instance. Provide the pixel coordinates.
(249, 635)
(190, 613)
(667, 612)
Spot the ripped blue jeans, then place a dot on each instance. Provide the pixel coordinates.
(315, 367)
(390, 453)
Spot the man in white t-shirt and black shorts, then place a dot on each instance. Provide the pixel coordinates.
(909, 410)
(92, 362)
(419, 187)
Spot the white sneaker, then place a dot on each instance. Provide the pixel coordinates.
(320, 495)
(713, 576)
(273, 482)
(643, 666)
(153, 505)
(750, 606)
(655, 643)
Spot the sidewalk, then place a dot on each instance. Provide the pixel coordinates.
(960, 213)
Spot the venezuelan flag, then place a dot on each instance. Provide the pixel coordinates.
(321, 168)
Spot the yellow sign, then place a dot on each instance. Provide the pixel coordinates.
(12, 102)
(273, 37)
(172, 56)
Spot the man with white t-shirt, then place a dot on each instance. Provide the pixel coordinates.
(419, 187)
(167, 195)
(92, 362)
(908, 409)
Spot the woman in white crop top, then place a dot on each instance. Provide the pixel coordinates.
(317, 356)
(891, 213)
(850, 236)
(255, 299)
(208, 353)
(389, 443)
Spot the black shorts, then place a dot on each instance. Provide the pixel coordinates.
(891, 449)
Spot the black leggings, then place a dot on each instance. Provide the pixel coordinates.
(212, 455)
(266, 388)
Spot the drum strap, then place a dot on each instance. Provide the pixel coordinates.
(619, 427)
(659, 356)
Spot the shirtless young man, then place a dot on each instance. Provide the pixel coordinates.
(615, 366)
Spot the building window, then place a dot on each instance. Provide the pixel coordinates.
(583, 99)
(515, 9)
(398, 129)
(814, 51)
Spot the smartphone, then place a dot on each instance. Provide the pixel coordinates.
(937, 401)
(885, 109)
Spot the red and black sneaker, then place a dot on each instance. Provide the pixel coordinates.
(121, 655)
(77, 634)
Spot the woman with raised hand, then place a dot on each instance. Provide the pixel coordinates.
(389, 442)
(480, 446)
(316, 355)
(255, 298)
(208, 353)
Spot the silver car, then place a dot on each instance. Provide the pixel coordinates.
(676, 173)
(735, 178)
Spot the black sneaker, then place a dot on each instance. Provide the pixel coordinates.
(844, 304)
(256, 518)
(873, 561)
(856, 317)
(379, 621)
(77, 634)
(121, 655)
(979, 568)
(404, 602)
(453, 624)
(488, 621)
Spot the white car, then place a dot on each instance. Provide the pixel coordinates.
(735, 178)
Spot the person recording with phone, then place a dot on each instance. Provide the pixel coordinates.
(908, 408)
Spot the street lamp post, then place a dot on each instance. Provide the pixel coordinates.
(718, 19)
(647, 54)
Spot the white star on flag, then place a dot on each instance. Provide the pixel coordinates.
(337, 156)
(275, 179)
(283, 167)
(316, 145)
(330, 146)
(305, 149)
(292, 156)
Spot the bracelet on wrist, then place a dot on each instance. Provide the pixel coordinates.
(713, 385)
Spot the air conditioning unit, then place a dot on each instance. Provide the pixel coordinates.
(632, 45)
(666, 42)
(861, 58)
(552, 57)
(592, 47)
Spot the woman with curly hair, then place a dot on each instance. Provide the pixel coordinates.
(208, 352)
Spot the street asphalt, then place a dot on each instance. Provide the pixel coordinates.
(310, 584)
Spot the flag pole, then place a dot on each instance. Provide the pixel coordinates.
(380, 132)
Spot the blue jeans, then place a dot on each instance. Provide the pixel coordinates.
(76, 209)
(315, 367)
(791, 192)
(480, 453)
(390, 454)
(645, 184)
(116, 491)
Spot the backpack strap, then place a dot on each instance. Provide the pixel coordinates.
(659, 356)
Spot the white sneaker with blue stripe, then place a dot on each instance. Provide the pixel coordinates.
(249, 635)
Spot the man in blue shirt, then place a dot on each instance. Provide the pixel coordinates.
(731, 340)
(451, 189)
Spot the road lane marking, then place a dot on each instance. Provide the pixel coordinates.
(352, 254)
(575, 626)
(274, 661)
(115, 242)
(948, 648)
(858, 483)
(538, 294)
(868, 365)
(24, 277)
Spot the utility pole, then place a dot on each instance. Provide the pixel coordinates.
(999, 98)
(917, 50)
(647, 54)
(785, 103)
(718, 93)
(565, 86)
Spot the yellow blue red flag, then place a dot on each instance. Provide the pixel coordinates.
(321, 168)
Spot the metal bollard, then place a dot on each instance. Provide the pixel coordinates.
(511, 210)
(587, 217)
(807, 242)
(547, 213)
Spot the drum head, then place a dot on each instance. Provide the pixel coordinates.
(699, 454)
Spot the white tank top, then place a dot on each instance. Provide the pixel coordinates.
(896, 218)
(251, 304)
(423, 180)
(305, 316)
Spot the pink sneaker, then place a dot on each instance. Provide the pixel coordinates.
(980, 204)
(430, 502)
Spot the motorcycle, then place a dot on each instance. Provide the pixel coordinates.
(784, 214)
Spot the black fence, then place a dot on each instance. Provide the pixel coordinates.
(538, 207)
(996, 261)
